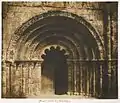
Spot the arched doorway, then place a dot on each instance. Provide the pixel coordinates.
(55, 67)
(78, 37)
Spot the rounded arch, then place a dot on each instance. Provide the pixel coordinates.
(60, 28)
(57, 20)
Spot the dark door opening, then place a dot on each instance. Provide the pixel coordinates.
(56, 59)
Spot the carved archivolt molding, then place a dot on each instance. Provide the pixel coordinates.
(12, 49)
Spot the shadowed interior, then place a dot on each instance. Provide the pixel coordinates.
(55, 67)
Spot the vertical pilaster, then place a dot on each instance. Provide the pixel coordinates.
(106, 43)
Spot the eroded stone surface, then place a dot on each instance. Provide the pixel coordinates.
(24, 79)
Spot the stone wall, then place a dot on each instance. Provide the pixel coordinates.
(15, 14)
(18, 13)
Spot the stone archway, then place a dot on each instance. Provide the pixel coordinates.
(24, 34)
(75, 34)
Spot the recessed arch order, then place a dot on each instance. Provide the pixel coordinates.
(60, 24)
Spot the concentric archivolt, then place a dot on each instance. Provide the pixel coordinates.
(55, 27)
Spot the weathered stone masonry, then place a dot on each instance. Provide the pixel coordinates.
(86, 31)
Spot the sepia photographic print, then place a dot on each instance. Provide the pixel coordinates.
(59, 50)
